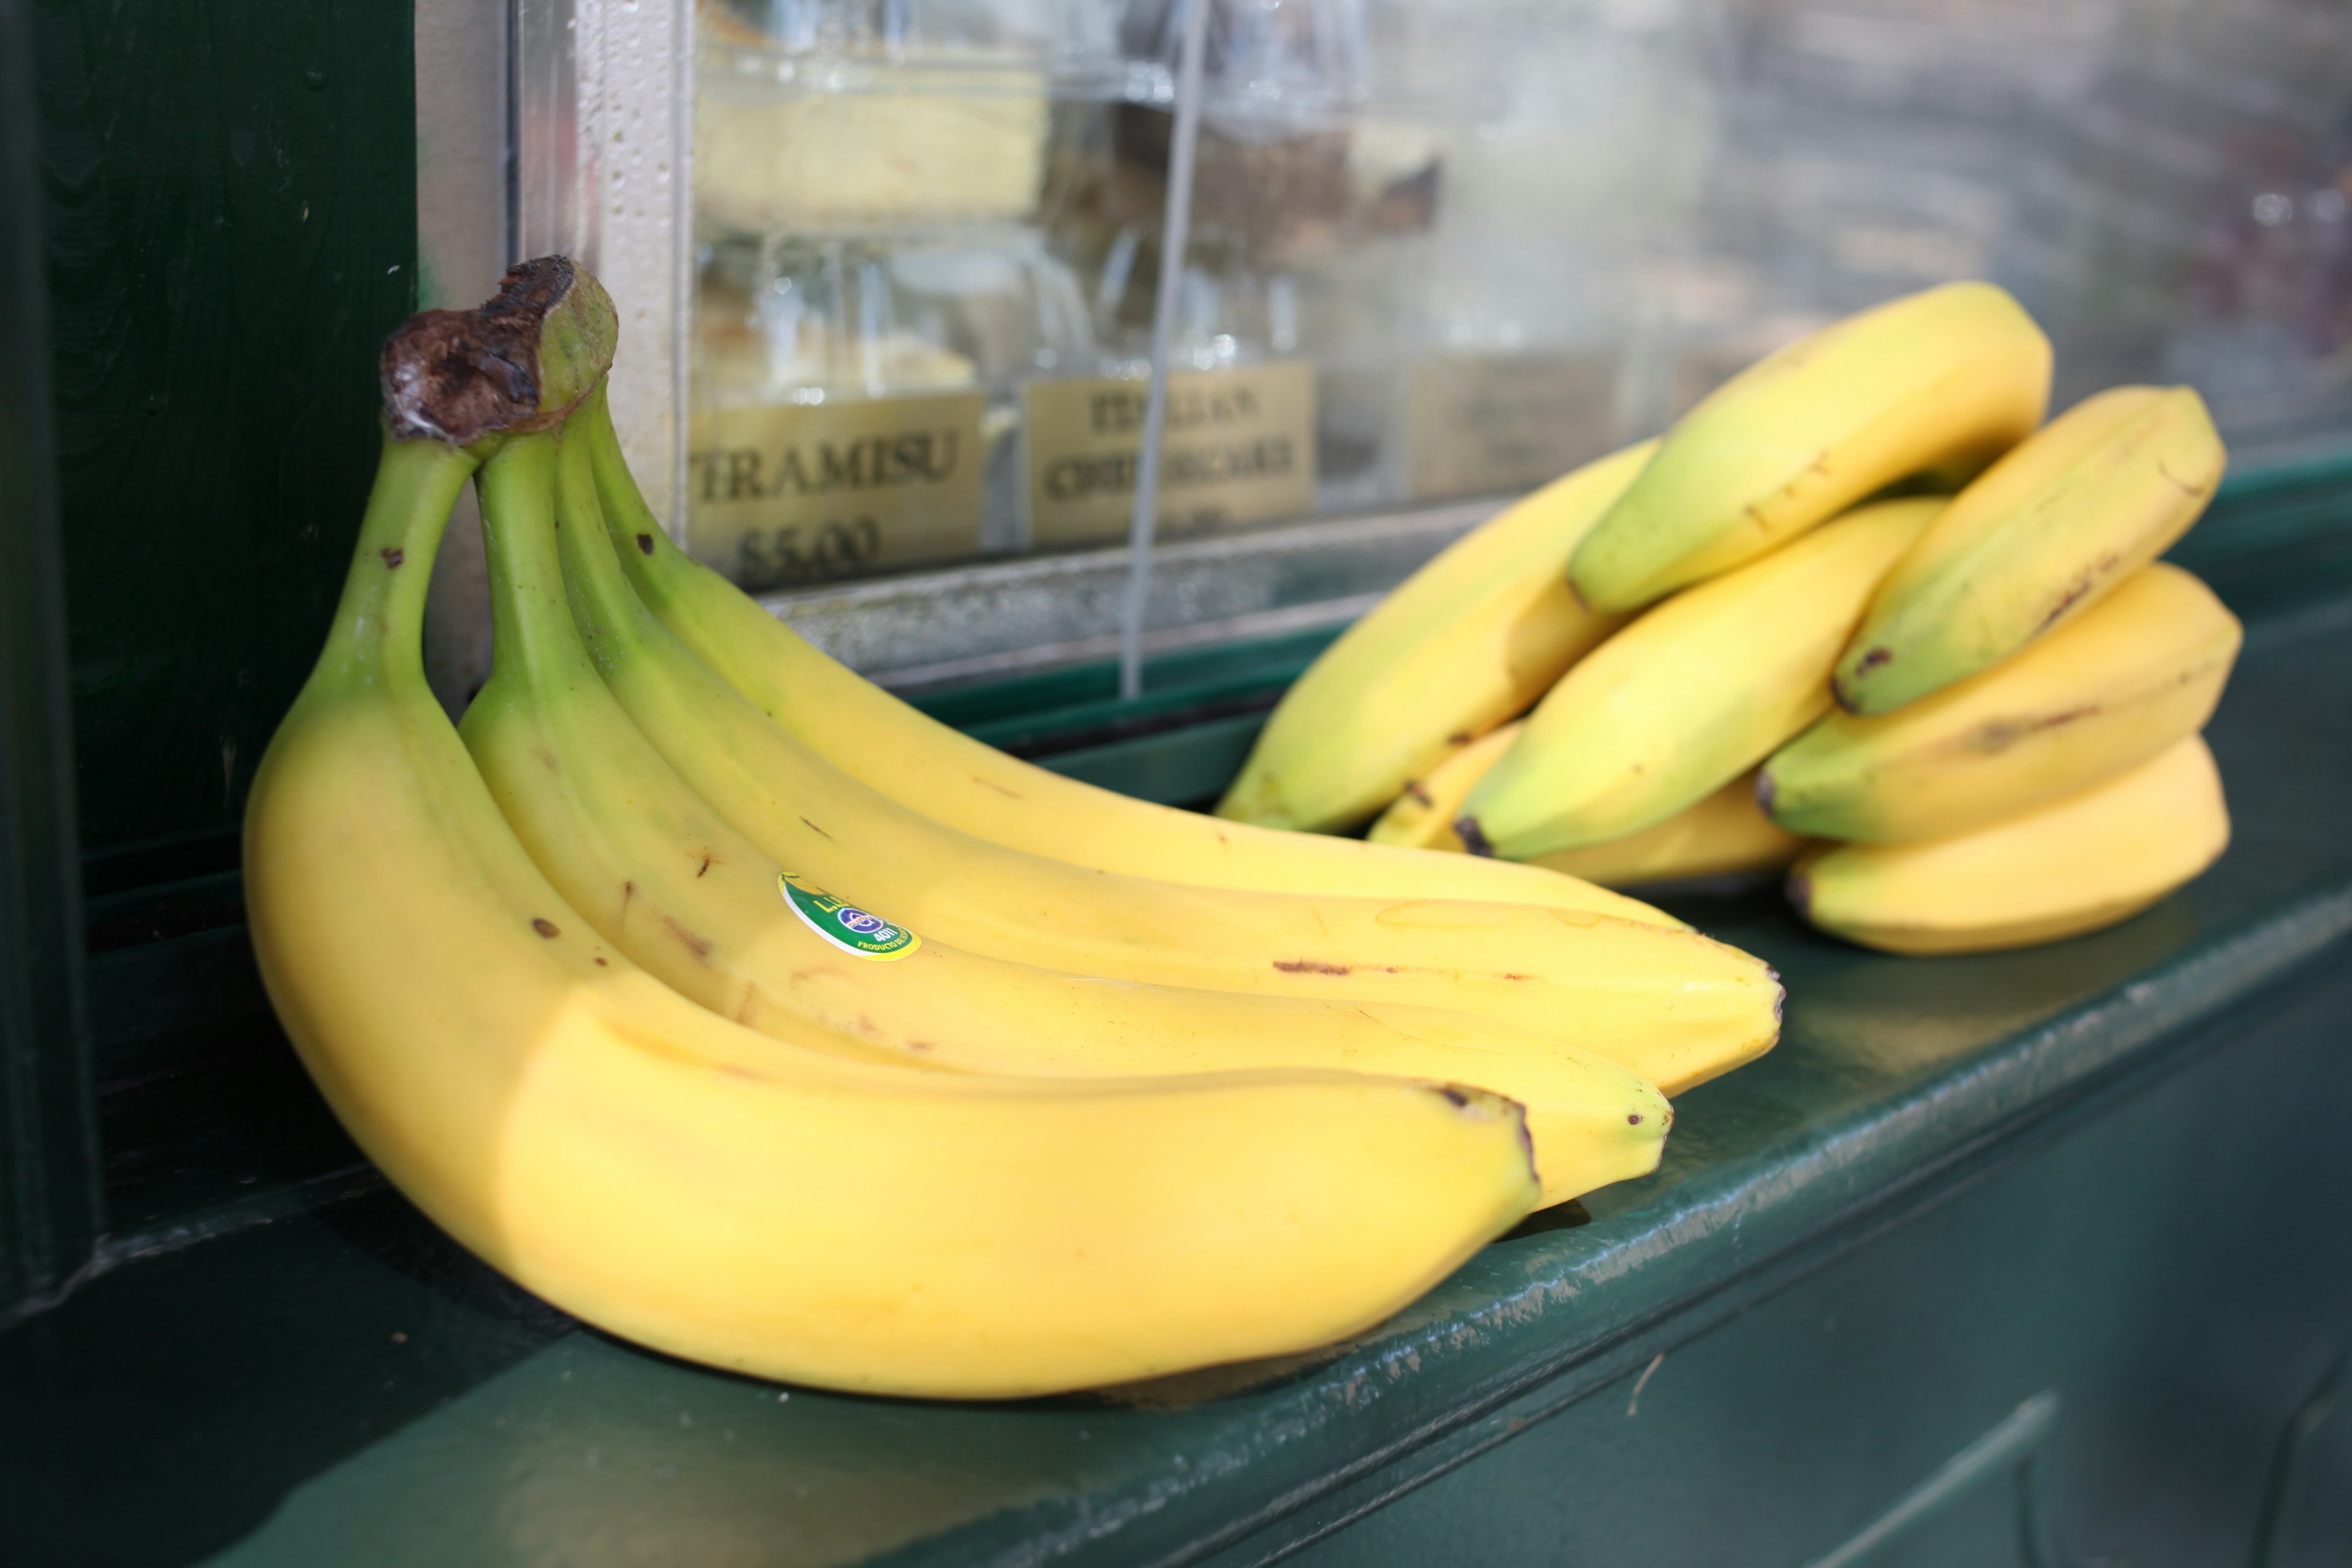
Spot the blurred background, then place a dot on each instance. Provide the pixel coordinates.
(1445, 249)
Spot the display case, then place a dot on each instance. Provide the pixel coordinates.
(892, 269)
(2033, 1256)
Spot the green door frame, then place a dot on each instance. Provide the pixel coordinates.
(50, 1187)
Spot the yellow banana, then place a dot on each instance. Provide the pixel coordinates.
(2039, 537)
(690, 1184)
(661, 877)
(2088, 861)
(2102, 694)
(1466, 642)
(1421, 817)
(1724, 834)
(974, 788)
(1945, 380)
(1669, 1004)
(1689, 697)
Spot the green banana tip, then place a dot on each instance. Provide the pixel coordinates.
(1801, 892)
(521, 361)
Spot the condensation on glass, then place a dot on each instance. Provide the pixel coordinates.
(1440, 250)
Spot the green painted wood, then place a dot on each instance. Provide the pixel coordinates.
(1059, 710)
(1191, 766)
(230, 208)
(2109, 1167)
(49, 1205)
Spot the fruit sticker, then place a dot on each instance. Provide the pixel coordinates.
(845, 926)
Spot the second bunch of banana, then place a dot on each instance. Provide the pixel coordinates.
(1963, 720)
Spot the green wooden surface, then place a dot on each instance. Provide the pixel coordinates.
(2110, 1166)
(48, 1171)
(230, 205)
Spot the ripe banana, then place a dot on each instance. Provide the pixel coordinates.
(687, 1183)
(1724, 834)
(2039, 536)
(663, 879)
(1466, 642)
(2106, 691)
(1689, 697)
(1421, 815)
(974, 788)
(2088, 861)
(1946, 379)
(1669, 1004)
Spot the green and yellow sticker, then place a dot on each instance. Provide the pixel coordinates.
(845, 926)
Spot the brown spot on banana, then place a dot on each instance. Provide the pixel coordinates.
(546, 928)
(645, 544)
(2092, 576)
(692, 941)
(2002, 734)
(1414, 788)
(1311, 966)
(393, 554)
(1466, 829)
(2184, 488)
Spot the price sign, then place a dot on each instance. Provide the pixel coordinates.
(782, 495)
(1240, 447)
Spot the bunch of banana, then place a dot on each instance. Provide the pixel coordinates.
(603, 987)
(1947, 686)
(2018, 760)
(670, 882)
